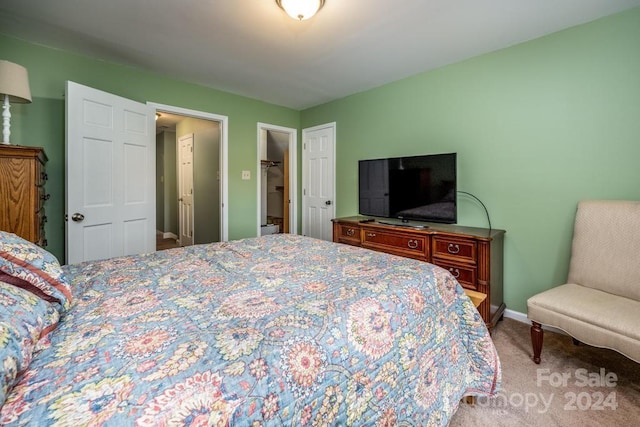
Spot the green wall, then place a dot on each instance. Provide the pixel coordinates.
(537, 127)
(41, 123)
(166, 183)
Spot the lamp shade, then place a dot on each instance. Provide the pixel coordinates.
(14, 82)
(300, 9)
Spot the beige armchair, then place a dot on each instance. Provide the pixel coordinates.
(600, 304)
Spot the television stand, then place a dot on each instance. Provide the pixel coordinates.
(472, 255)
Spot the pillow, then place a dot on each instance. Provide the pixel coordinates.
(24, 319)
(33, 269)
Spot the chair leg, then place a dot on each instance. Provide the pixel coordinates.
(537, 335)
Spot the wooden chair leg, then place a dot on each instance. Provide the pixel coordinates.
(536, 340)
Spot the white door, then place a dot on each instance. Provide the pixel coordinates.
(185, 189)
(110, 175)
(318, 181)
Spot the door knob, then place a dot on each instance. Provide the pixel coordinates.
(77, 217)
(328, 202)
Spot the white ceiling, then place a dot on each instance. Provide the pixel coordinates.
(252, 48)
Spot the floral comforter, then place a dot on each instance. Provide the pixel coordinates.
(275, 330)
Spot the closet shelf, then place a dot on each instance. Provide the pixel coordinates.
(269, 163)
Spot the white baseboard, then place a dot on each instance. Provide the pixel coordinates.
(521, 317)
(169, 236)
(516, 315)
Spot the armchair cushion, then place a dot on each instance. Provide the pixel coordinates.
(593, 317)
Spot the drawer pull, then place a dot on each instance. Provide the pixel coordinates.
(455, 272)
(45, 196)
(350, 231)
(371, 234)
(412, 244)
(453, 249)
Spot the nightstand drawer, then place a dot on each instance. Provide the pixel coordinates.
(465, 275)
(413, 246)
(455, 249)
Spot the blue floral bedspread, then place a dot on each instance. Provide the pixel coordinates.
(276, 330)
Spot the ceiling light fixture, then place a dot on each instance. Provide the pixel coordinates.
(300, 9)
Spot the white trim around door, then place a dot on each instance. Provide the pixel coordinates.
(293, 172)
(224, 156)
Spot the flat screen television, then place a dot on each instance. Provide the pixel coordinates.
(421, 188)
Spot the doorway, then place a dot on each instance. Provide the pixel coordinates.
(209, 142)
(318, 181)
(277, 171)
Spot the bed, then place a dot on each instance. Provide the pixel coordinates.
(274, 330)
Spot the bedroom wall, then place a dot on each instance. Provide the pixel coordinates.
(537, 127)
(41, 123)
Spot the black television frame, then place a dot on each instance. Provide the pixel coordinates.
(404, 188)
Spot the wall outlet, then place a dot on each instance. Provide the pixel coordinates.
(246, 174)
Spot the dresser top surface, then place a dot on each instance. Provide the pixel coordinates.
(426, 227)
(22, 151)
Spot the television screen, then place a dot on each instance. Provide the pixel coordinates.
(421, 188)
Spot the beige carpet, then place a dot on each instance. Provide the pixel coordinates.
(573, 385)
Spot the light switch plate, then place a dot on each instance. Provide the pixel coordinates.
(246, 174)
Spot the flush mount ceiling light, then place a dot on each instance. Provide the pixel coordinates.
(300, 9)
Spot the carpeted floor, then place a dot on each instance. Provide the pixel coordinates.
(573, 386)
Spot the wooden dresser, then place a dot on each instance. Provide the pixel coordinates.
(473, 255)
(22, 192)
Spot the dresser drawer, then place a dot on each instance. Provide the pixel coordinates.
(348, 234)
(413, 246)
(460, 250)
(466, 275)
(40, 174)
(43, 196)
(41, 219)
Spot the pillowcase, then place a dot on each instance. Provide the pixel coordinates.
(24, 319)
(34, 269)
